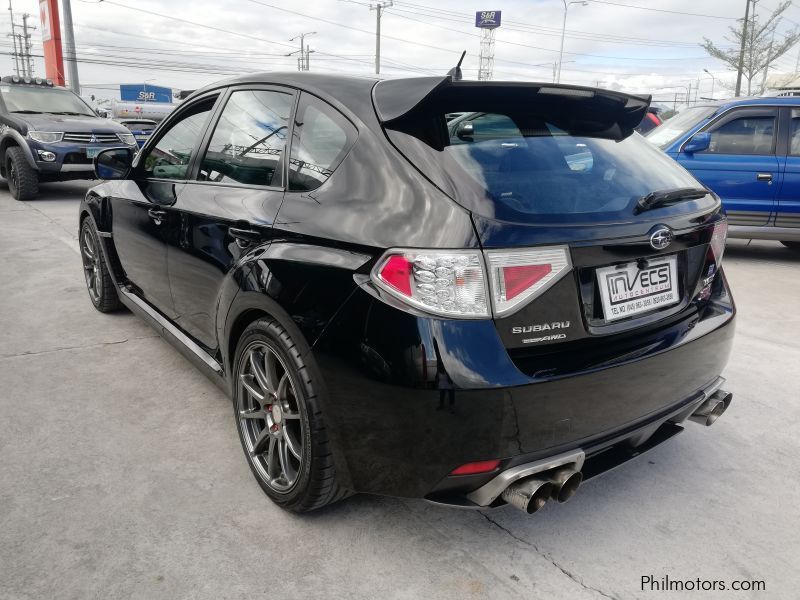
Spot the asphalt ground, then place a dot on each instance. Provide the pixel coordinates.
(121, 474)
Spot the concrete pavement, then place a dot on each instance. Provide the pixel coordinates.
(121, 474)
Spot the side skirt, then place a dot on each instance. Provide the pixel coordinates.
(194, 353)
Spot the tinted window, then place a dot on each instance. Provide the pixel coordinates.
(249, 139)
(322, 137)
(745, 135)
(794, 141)
(543, 173)
(169, 158)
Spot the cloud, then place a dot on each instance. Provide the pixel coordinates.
(632, 50)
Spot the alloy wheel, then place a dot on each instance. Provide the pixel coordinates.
(269, 416)
(91, 264)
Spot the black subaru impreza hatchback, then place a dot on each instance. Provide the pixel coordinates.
(478, 309)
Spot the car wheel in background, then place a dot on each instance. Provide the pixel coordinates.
(23, 182)
(102, 291)
(279, 420)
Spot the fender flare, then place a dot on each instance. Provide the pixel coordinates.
(13, 137)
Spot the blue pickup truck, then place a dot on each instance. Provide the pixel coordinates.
(748, 152)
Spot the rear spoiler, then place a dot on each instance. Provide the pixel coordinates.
(576, 109)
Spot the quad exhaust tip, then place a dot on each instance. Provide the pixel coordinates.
(531, 494)
(712, 409)
(565, 483)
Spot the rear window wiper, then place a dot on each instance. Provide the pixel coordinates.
(665, 197)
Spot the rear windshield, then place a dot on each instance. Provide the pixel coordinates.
(521, 167)
(671, 129)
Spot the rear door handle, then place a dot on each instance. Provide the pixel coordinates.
(764, 177)
(157, 215)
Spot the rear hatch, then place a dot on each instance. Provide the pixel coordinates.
(595, 241)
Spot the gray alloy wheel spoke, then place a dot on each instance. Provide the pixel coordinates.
(283, 388)
(97, 289)
(260, 441)
(283, 458)
(291, 444)
(271, 371)
(253, 413)
(249, 383)
(257, 368)
(270, 459)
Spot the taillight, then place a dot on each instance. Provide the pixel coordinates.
(453, 283)
(517, 276)
(717, 243)
(444, 282)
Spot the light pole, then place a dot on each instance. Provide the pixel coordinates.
(713, 80)
(563, 31)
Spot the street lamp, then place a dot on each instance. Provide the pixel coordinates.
(563, 31)
(713, 80)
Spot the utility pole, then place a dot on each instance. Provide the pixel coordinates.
(741, 50)
(379, 7)
(71, 55)
(564, 31)
(302, 60)
(13, 36)
(28, 46)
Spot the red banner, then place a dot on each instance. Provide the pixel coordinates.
(51, 39)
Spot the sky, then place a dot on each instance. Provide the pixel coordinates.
(617, 44)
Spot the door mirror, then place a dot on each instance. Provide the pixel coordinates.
(465, 130)
(114, 163)
(698, 142)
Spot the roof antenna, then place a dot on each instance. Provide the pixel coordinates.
(455, 72)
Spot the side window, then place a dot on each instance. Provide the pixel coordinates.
(745, 135)
(249, 139)
(794, 134)
(322, 138)
(169, 158)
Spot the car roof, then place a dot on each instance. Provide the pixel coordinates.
(754, 101)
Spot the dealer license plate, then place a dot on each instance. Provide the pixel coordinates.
(92, 152)
(628, 290)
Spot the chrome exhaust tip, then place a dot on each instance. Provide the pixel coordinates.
(529, 495)
(712, 409)
(565, 483)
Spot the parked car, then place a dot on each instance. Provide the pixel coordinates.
(651, 120)
(141, 129)
(49, 133)
(477, 316)
(748, 152)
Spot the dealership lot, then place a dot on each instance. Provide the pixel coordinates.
(121, 474)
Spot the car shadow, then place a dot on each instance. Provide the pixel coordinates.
(58, 190)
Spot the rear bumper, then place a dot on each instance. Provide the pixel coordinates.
(408, 399)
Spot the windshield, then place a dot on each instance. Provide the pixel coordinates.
(520, 167)
(35, 99)
(666, 133)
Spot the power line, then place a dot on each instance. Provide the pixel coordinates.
(662, 10)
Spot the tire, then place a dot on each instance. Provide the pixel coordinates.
(297, 426)
(101, 288)
(23, 181)
(792, 245)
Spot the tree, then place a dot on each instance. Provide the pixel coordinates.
(761, 46)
